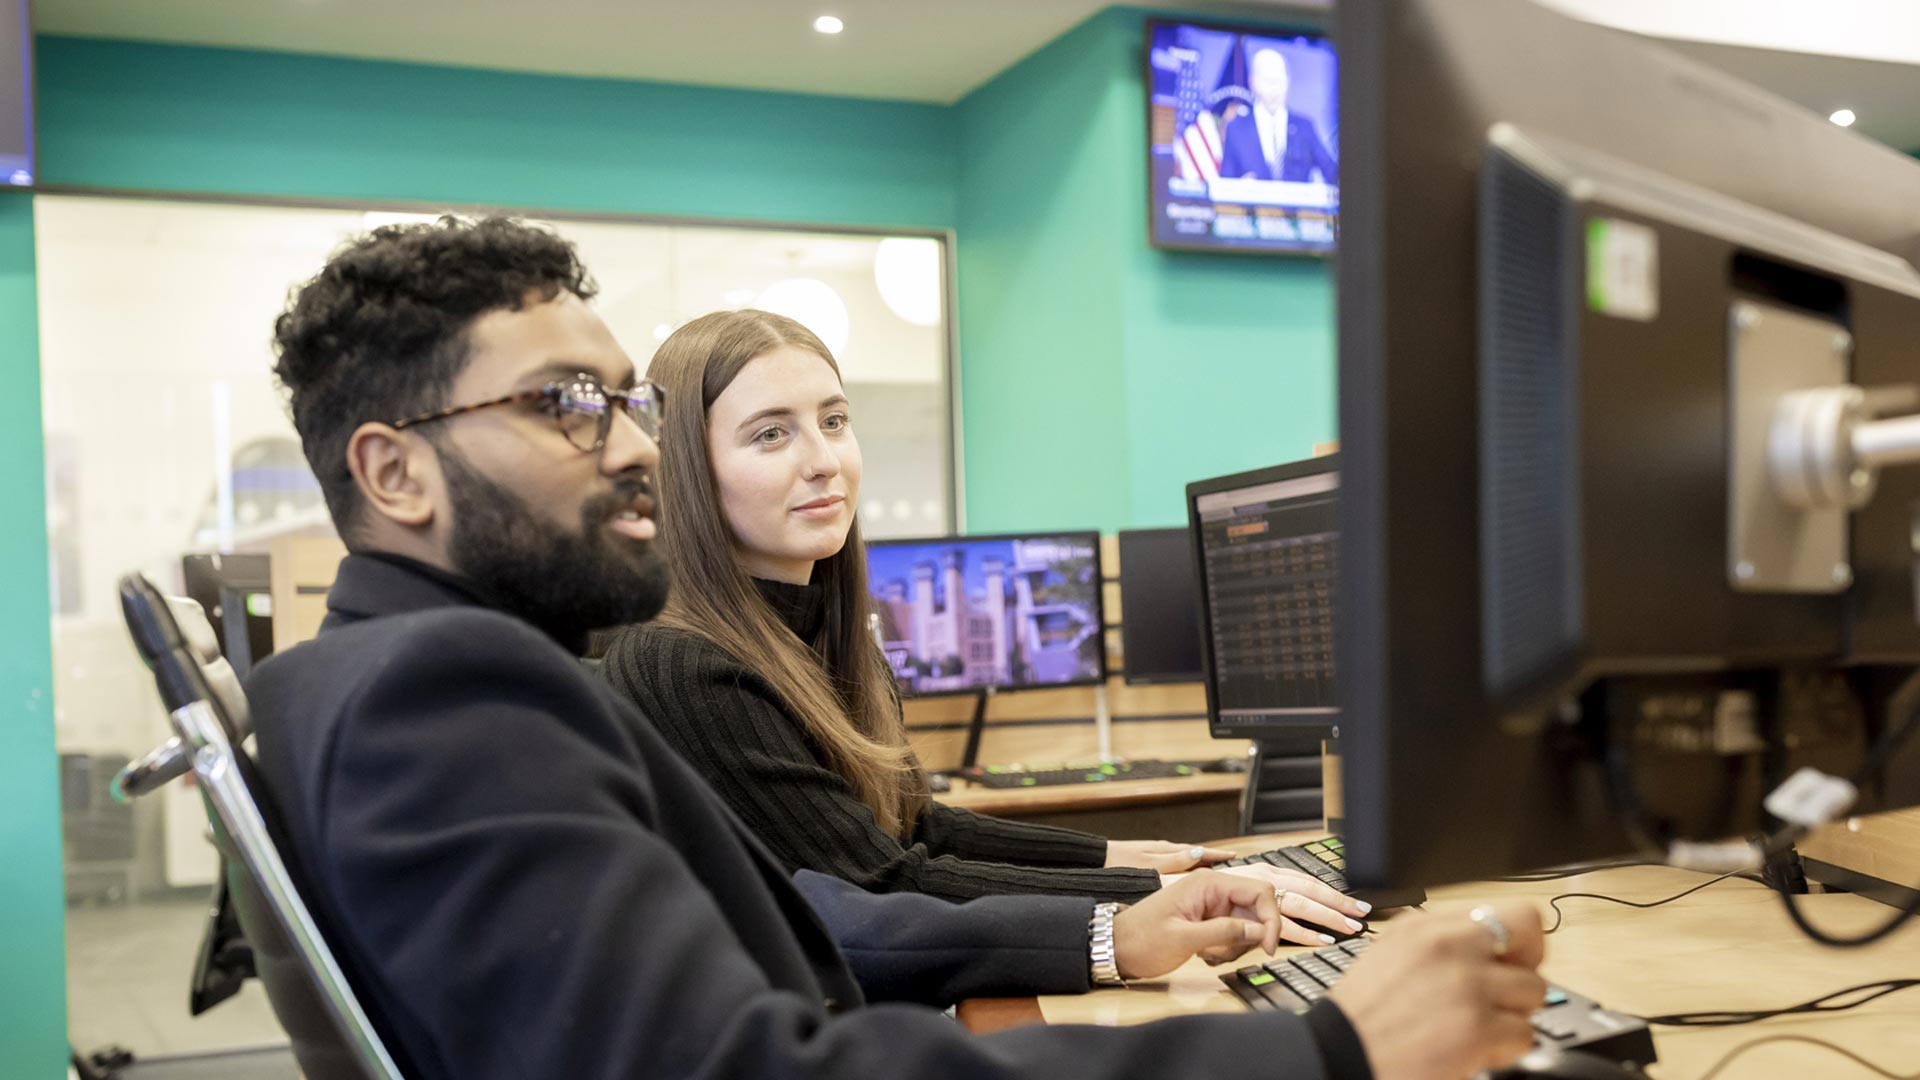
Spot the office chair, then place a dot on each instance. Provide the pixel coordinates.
(332, 1036)
(1283, 792)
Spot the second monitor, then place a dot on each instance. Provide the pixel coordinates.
(962, 614)
(1267, 554)
(1159, 607)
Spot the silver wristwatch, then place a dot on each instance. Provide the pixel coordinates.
(1102, 963)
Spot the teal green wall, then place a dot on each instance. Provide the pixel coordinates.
(129, 115)
(33, 1001)
(1099, 374)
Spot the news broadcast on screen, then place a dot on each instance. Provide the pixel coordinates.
(1244, 130)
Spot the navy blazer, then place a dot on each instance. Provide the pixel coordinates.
(522, 880)
(1241, 154)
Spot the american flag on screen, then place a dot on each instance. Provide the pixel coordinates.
(1197, 143)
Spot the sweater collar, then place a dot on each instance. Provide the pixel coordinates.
(803, 608)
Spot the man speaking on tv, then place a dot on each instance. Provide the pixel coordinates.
(1268, 142)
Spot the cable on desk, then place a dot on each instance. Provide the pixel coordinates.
(1876, 760)
(1560, 916)
(1721, 1065)
(1821, 1004)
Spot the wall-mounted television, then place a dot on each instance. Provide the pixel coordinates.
(962, 614)
(16, 94)
(1244, 139)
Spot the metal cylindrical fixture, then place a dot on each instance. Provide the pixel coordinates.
(1810, 452)
(1887, 442)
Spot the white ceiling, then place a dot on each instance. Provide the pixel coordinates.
(939, 50)
(1863, 29)
(907, 50)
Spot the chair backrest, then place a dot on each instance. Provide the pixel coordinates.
(332, 1036)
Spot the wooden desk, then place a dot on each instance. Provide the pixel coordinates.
(1728, 946)
(1169, 808)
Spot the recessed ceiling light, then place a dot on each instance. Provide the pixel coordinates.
(828, 24)
(1843, 117)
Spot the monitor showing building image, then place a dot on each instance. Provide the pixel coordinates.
(960, 614)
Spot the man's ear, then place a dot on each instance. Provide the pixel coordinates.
(397, 473)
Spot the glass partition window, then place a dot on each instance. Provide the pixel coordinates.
(166, 437)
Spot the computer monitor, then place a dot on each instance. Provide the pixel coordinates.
(1578, 273)
(1266, 552)
(963, 614)
(236, 594)
(1159, 607)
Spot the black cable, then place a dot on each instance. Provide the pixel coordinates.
(1721, 1065)
(1559, 916)
(1909, 692)
(1817, 1005)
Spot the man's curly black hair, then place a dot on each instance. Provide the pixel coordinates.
(381, 332)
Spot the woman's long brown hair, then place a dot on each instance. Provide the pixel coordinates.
(839, 684)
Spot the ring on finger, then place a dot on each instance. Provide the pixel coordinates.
(1485, 918)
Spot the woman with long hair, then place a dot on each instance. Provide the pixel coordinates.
(761, 670)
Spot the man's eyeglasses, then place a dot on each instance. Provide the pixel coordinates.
(582, 406)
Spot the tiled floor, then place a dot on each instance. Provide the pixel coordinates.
(127, 970)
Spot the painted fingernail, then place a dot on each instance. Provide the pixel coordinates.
(1328, 938)
(1355, 925)
(1363, 906)
(1196, 853)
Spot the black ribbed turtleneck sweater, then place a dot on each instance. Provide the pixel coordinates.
(724, 719)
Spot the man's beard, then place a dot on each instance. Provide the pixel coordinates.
(568, 584)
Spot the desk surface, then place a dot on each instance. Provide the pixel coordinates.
(1728, 946)
(1035, 800)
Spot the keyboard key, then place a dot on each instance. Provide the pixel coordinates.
(1282, 999)
(1341, 960)
(1295, 860)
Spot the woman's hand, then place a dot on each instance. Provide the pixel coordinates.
(1307, 900)
(1162, 855)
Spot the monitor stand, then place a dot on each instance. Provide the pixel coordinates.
(971, 756)
(1102, 725)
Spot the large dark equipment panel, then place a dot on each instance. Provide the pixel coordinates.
(1159, 607)
(1579, 275)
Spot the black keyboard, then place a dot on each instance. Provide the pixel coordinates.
(1567, 1021)
(1095, 772)
(1326, 859)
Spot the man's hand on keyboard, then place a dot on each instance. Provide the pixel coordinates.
(1205, 913)
(1309, 905)
(1431, 1001)
(1162, 855)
